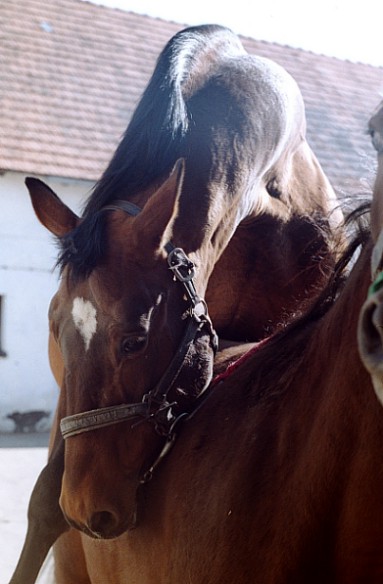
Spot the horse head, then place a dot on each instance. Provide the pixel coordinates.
(136, 344)
(370, 330)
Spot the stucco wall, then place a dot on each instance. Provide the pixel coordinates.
(27, 283)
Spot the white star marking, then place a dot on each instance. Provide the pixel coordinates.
(85, 319)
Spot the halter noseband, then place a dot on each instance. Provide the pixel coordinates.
(154, 406)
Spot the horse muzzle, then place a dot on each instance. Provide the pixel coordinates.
(104, 525)
(99, 512)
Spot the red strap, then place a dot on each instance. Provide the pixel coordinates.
(238, 362)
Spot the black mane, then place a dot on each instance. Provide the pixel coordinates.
(83, 248)
(154, 139)
(155, 136)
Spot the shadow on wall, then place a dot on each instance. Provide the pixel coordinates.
(31, 421)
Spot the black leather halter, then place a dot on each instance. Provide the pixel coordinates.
(154, 407)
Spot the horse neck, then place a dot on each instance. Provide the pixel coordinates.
(308, 385)
(334, 341)
(209, 215)
(327, 343)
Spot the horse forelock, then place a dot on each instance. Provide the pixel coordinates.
(82, 249)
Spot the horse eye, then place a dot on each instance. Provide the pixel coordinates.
(134, 344)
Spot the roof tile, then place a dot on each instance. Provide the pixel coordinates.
(71, 73)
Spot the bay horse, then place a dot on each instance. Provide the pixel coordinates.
(275, 478)
(215, 160)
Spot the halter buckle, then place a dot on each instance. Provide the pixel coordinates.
(182, 268)
(159, 412)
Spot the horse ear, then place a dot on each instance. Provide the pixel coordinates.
(50, 210)
(153, 226)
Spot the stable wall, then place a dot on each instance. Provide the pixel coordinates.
(27, 283)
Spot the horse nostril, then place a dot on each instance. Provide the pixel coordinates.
(103, 524)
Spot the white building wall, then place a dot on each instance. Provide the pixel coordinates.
(27, 283)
